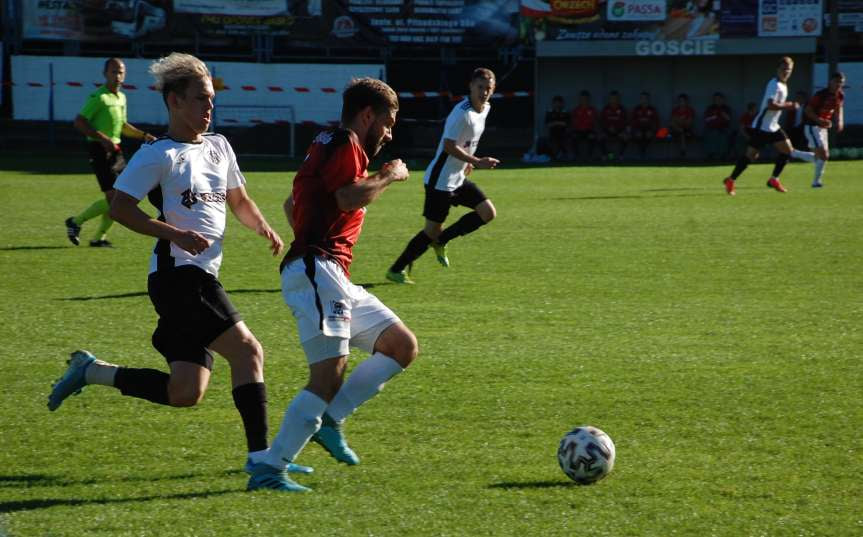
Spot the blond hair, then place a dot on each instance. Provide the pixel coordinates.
(175, 71)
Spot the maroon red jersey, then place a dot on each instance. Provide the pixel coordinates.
(645, 118)
(613, 118)
(746, 119)
(335, 159)
(583, 118)
(825, 103)
(683, 113)
(717, 116)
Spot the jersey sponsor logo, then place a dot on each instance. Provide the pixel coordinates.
(324, 137)
(190, 197)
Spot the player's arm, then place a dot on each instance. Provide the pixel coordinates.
(84, 127)
(247, 212)
(840, 119)
(124, 209)
(288, 207)
(456, 151)
(134, 132)
(787, 105)
(357, 195)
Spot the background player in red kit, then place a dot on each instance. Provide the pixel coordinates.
(819, 114)
(613, 126)
(326, 210)
(682, 118)
(583, 125)
(645, 123)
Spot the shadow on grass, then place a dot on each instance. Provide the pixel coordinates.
(702, 193)
(513, 485)
(44, 480)
(18, 248)
(144, 293)
(32, 505)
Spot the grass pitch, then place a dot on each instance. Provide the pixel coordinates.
(716, 339)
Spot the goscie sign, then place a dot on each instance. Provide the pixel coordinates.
(690, 47)
(636, 10)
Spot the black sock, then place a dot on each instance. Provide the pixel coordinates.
(741, 165)
(466, 224)
(415, 248)
(149, 384)
(781, 161)
(251, 400)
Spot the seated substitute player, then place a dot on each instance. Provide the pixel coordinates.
(190, 176)
(645, 123)
(103, 120)
(682, 118)
(556, 121)
(765, 130)
(820, 111)
(445, 182)
(583, 126)
(717, 119)
(326, 209)
(613, 126)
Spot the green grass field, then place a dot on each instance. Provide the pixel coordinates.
(717, 340)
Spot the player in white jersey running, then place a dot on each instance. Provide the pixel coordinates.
(190, 176)
(765, 130)
(445, 179)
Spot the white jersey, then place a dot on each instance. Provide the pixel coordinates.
(464, 125)
(768, 120)
(188, 183)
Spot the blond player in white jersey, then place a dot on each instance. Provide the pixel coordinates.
(765, 130)
(192, 178)
(446, 184)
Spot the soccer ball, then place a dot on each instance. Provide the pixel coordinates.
(586, 454)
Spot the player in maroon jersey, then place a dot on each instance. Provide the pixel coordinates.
(583, 125)
(682, 118)
(821, 110)
(717, 120)
(326, 210)
(613, 126)
(645, 123)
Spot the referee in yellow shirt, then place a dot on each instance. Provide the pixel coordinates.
(102, 121)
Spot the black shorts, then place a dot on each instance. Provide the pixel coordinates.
(759, 138)
(193, 311)
(106, 166)
(438, 202)
(797, 136)
(643, 133)
(583, 135)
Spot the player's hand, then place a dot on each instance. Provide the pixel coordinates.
(396, 169)
(825, 123)
(840, 127)
(487, 163)
(148, 137)
(795, 105)
(276, 242)
(191, 241)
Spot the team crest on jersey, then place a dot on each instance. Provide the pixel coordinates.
(213, 156)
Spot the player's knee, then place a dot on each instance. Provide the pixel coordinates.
(185, 396)
(487, 212)
(253, 355)
(405, 349)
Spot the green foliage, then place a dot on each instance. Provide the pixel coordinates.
(716, 339)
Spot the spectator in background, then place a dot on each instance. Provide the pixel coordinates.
(795, 119)
(682, 118)
(742, 126)
(583, 123)
(717, 124)
(556, 121)
(645, 122)
(613, 126)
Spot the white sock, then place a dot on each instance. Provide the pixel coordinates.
(100, 372)
(364, 383)
(302, 420)
(803, 155)
(819, 169)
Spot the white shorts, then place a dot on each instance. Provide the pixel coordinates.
(816, 136)
(332, 313)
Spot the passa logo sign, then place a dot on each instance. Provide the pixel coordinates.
(636, 10)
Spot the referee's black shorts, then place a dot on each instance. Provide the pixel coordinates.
(759, 138)
(107, 166)
(438, 202)
(193, 311)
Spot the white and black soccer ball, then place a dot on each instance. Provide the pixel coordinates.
(586, 454)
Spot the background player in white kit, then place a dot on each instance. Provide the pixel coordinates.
(765, 130)
(445, 182)
(820, 112)
(190, 176)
